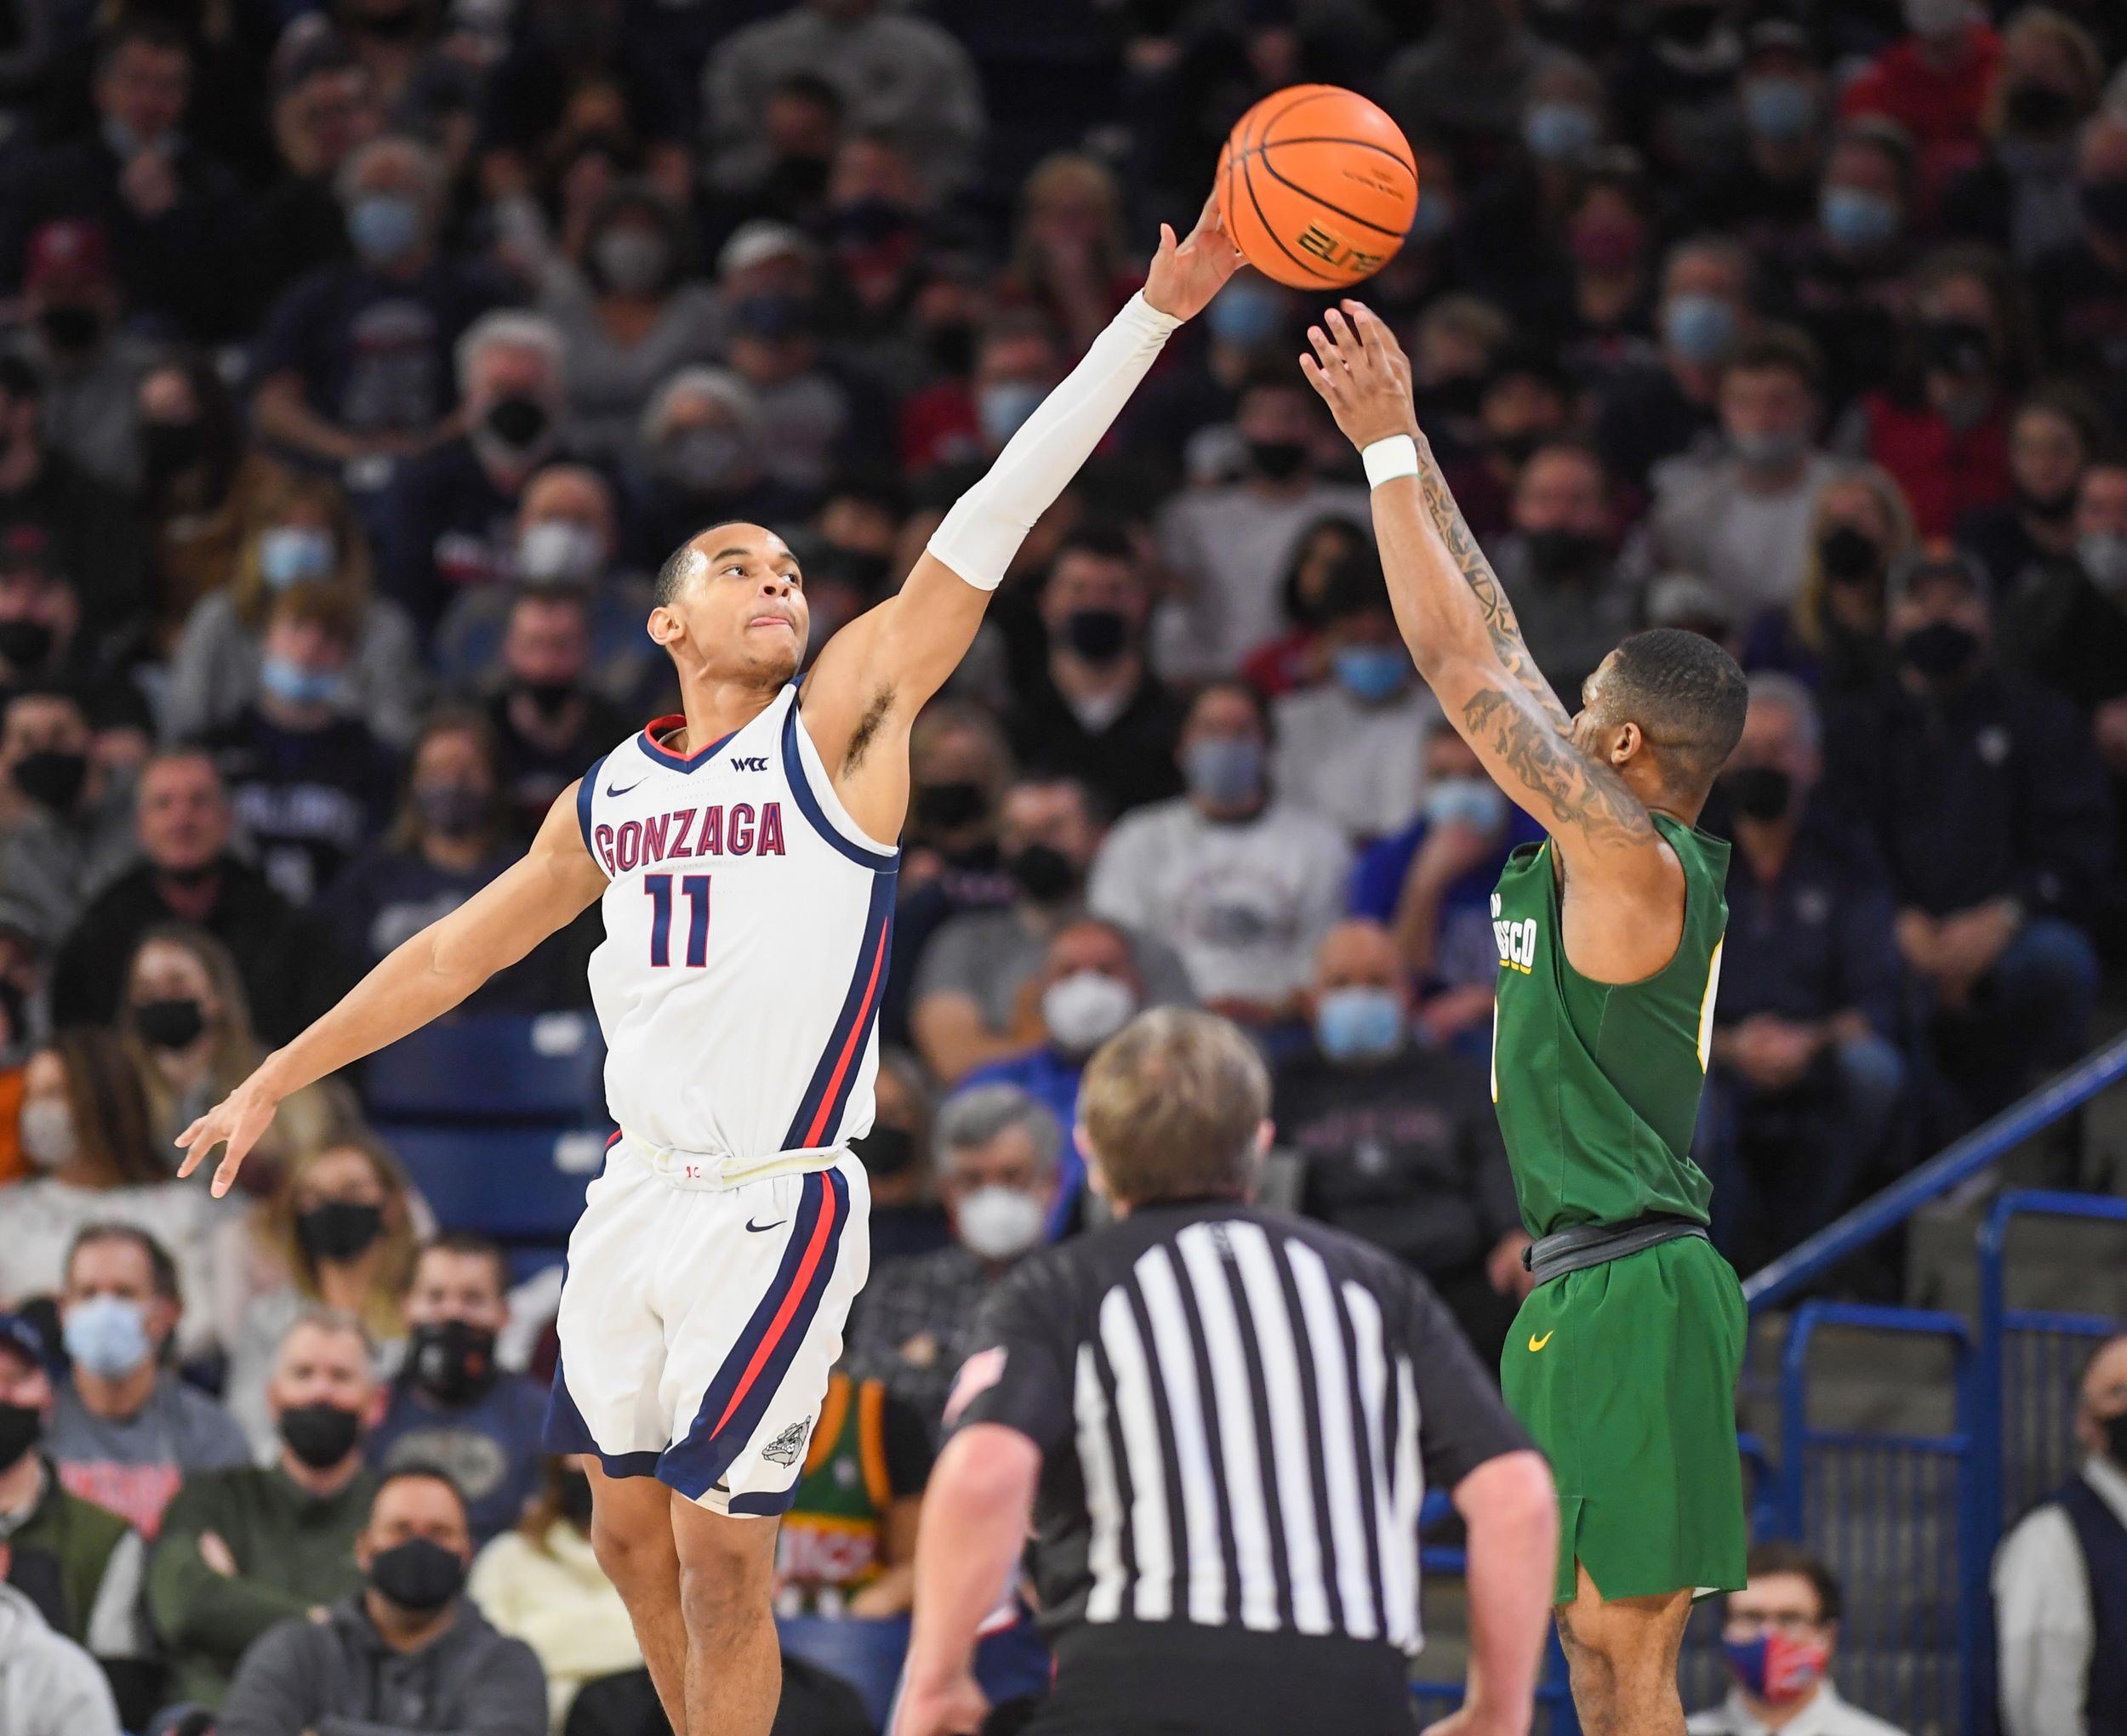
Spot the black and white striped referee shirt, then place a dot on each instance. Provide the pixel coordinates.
(1238, 1413)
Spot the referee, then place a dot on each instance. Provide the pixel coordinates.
(1220, 1422)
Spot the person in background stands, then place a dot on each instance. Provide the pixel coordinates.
(125, 1431)
(409, 1640)
(549, 725)
(244, 1548)
(1781, 1632)
(452, 1405)
(48, 1685)
(905, 1218)
(847, 1545)
(65, 823)
(79, 1565)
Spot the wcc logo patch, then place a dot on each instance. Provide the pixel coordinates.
(784, 1448)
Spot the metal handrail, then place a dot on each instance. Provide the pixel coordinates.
(1954, 1165)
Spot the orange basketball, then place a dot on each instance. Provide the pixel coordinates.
(1317, 187)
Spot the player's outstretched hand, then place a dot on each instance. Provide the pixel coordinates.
(1362, 374)
(1187, 274)
(235, 1121)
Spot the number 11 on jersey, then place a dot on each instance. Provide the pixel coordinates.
(694, 888)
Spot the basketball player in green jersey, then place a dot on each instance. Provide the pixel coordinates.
(1622, 1362)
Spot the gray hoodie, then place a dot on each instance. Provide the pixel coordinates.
(48, 1686)
(338, 1677)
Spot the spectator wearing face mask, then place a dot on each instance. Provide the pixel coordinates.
(1654, 411)
(1560, 561)
(1090, 707)
(1526, 400)
(1349, 749)
(2079, 289)
(1242, 884)
(809, 416)
(78, 1565)
(1806, 1081)
(549, 724)
(539, 1582)
(2060, 1649)
(1831, 638)
(1298, 657)
(1399, 1140)
(998, 1150)
(451, 1404)
(977, 988)
(1741, 518)
(301, 532)
(2054, 432)
(95, 1159)
(1088, 989)
(355, 361)
(1200, 389)
(2020, 196)
(1430, 886)
(48, 1685)
(307, 782)
(40, 635)
(565, 540)
(84, 531)
(24, 951)
(126, 1431)
(66, 826)
(1604, 330)
(449, 519)
(1069, 256)
(1472, 72)
(1768, 199)
(1934, 82)
(409, 1639)
(1779, 1634)
(1849, 285)
(243, 1549)
(906, 1218)
(1229, 546)
(1677, 84)
(1989, 808)
(629, 316)
(701, 461)
(1941, 430)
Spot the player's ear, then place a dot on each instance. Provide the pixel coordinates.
(1626, 741)
(665, 625)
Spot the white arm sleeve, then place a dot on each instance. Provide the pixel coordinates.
(980, 535)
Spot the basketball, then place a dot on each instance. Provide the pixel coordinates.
(1317, 187)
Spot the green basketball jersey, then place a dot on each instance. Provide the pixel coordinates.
(1597, 1084)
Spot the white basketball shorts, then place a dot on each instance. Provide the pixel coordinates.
(698, 1323)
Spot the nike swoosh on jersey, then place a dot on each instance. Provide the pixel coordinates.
(621, 790)
(1535, 1343)
(777, 1225)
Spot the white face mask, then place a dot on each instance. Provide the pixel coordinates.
(558, 551)
(1083, 1009)
(1000, 1223)
(47, 1132)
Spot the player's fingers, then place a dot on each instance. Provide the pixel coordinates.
(1349, 351)
(1326, 351)
(1208, 219)
(232, 1161)
(1312, 371)
(1167, 242)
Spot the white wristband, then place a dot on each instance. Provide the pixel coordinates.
(1387, 459)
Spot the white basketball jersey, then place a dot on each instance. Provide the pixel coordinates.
(748, 920)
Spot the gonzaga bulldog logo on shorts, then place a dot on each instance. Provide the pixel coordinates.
(784, 1448)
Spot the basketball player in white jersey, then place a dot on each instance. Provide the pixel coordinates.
(743, 855)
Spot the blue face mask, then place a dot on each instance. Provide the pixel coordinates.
(1476, 802)
(1224, 770)
(1246, 316)
(1700, 328)
(384, 226)
(1855, 220)
(1357, 1023)
(1372, 673)
(294, 685)
(107, 1335)
(1561, 132)
(1003, 407)
(1779, 109)
(294, 553)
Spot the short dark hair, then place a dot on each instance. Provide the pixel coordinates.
(466, 1242)
(1104, 541)
(1780, 1557)
(20, 380)
(1355, 586)
(1687, 695)
(418, 1470)
(148, 32)
(809, 87)
(673, 573)
(161, 1268)
(1782, 347)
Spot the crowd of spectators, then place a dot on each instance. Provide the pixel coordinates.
(360, 359)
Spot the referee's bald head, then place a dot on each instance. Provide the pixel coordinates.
(1174, 1106)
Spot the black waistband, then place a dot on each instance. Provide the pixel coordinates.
(1596, 1244)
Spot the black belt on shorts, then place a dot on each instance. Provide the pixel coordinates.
(1594, 1244)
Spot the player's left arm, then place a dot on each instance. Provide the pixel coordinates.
(875, 675)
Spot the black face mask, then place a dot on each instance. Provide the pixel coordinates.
(1277, 460)
(451, 1361)
(1515, 449)
(168, 447)
(1561, 554)
(1098, 636)
(190, 879)
(518, 423)
(886, 1151)
(14, 1019)
(25, 644)
(2037, 108)
(418, 1575)
(571, 1498)
(1687, 26)
(71, 327)
(1850, 556)
(51, 777)
(1760, 792)
(174, 1023)
(2047, 509)
(339, 1229)
(1940, 650)
(1962, 347)
(951, 347)
(21, 1426)
(393, 26)
(1044, 874)
(947, 807)
(548, 698)
(2116, 1439)
(321, 1435)
(1459, 394)
(2105, 206)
